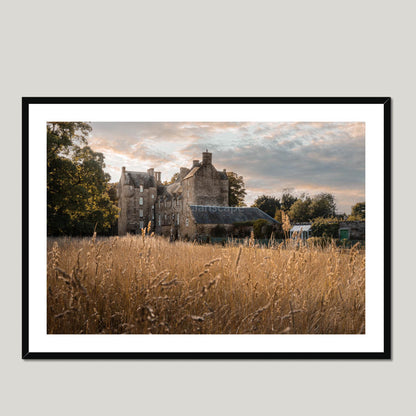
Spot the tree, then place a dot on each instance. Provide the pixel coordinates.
(357, 212)
(278, 215)
(301, 210)
(173, 179)
(288, 199)
(267, 204)
(112, 192)
(78, 199)
(236, 190)
(323, 205)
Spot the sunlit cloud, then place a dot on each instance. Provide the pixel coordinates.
(306, 157)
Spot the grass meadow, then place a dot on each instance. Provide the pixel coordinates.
(148, 285)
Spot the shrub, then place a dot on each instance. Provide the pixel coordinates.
(218, 231)
(242, 229)
(325, 227)
(262, 229)
(244, 223)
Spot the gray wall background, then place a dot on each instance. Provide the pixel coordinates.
(217, 48)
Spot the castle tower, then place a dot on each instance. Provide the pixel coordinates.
(206, 158)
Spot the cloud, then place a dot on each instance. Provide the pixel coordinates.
(311, 157)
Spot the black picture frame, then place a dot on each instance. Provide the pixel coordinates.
(28, 354)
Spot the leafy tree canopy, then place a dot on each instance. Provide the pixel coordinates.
(236, 190)
(278, 215)
(78, 199)
(357, 212)
(267, 204)
(287, 200)
(323, 205)
(300, 211)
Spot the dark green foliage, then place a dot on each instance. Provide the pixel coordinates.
(242, 229)
(288, 199)
(236, 190)
(325, 227)
(323, 205)
(218, 231)
(244, 223)
(357, 212)
(78, 199)
(301, 210)
(262, 229)
(267, 204)
(306, 208)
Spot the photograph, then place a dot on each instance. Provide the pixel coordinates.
(228, 227)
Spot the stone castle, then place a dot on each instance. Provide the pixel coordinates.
(187, 208)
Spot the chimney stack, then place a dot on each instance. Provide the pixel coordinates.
(158, 179)
(195, 163)
(151, 172)
(206, 158)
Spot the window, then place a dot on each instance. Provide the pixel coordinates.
(159, 203)
(141, 201)
(177, 201)
(177, 219)
(159, 220)
(153, 196)
(153, 215)
(187, 222)
(141, 188)
(141, 213)
(141, 224)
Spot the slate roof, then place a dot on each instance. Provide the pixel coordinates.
(192, 172)
(174, 188)
(205, 214)
(140, 178)
(223, 175)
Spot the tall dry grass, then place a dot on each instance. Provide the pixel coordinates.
(144, 284)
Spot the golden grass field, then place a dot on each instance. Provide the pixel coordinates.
(145, 284)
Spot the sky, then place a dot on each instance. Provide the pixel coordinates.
(303, 157)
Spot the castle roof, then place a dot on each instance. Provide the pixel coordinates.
(140, 178)
(192, 172)
(205, 214)
(174, 188)
(195, 169)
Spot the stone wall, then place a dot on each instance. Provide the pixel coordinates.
(168, 207)
(133, 214)
(206, 187)
(356, 229)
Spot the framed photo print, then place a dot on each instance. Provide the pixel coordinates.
(206, 228)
